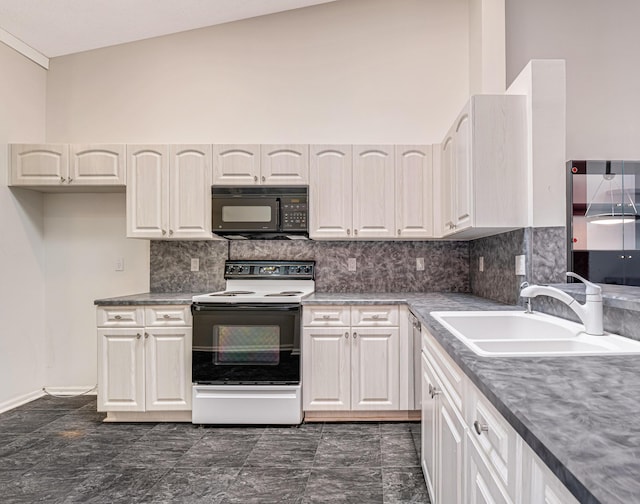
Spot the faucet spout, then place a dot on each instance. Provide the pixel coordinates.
(589, 313)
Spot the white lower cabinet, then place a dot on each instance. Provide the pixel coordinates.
(470, 454)
(351, 358)
(144, 358)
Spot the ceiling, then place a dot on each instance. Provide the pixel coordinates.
(59, 27)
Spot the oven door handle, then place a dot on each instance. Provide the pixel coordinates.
(244, 306)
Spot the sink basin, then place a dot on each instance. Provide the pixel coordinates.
(520, 334)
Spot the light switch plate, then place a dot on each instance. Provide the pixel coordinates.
(120, 264)
(481, 264)
(520, 265)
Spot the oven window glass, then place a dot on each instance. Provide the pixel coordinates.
(235, 213)
(237, 344)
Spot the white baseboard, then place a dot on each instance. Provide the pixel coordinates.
(71, 391)
(19, 401)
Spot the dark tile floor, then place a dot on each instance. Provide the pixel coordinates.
(58, 451)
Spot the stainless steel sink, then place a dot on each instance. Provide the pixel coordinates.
(515, 333)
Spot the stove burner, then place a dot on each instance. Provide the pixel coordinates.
(231, 293)
(284, 293)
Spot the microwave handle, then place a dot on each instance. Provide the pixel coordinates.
(278, 214)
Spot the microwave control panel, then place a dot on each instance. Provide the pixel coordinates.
(294, 214)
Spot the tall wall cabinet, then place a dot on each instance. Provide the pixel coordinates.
(169, 191)
(483, 168)
(371, 192)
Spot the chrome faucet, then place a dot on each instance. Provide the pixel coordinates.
(589, 313)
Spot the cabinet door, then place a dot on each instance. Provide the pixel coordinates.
(451, 440)
(190, 192)
(375, 368)
(326, 361)
(447, 168)
(330, 197)
(481, 486)
(284, 164)
(102, 165)
(463, 174)
(373, 191)
(428, 424)
(168, 368)
(147, 191)
(120, 369)
(414, 191)
(236, 164)
(39, 164)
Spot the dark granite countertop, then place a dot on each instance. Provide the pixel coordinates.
(580, 415)
(148, 298)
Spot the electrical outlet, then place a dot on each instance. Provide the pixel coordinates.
(351, 264)
(419, 263)
(195, 264)
(481, 264)
(520, 265)
(120, 264)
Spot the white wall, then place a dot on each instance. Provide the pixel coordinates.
(22, 296)
(599, 41)
(354, 71)
(84, 235)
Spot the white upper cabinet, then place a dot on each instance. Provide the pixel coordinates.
(91, 164)
(483, 168)
(414, 191)
(284, 164)
(373, 191)
(48, 165)
(169, 192)
(330, 191)
(236, 164)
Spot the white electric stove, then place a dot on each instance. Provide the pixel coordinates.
(246, 344)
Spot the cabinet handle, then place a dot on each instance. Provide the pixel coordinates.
(375, 317)
(171, 232)
(138, 336)
(355, 232)
(166, 316)
(348, 232)
(399, 232)
(69, 180)
(62, 179)
(146, 335)
(164, 232)
(325, 316)
(433, 391)
(346, 335)
(255, 178)
(355, 335)
(118, 317)
(480, 428)
(263, 178)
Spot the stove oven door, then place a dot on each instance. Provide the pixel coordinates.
(246, 344)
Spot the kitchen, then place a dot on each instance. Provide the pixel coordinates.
(61, 249)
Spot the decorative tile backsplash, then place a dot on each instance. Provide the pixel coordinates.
(382, 266)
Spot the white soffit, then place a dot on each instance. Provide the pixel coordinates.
(43, 29)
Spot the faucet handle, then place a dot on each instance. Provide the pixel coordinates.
(591, 288)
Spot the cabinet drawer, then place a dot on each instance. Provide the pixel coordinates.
(326, 315)
(120, 316)
(374, 315)
(494, 438)
(168, 315)
(449, 372)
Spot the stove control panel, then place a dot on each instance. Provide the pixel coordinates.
(304, 270)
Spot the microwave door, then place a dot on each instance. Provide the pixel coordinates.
(245, 214)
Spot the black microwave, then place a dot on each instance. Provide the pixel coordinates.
(260, 212)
